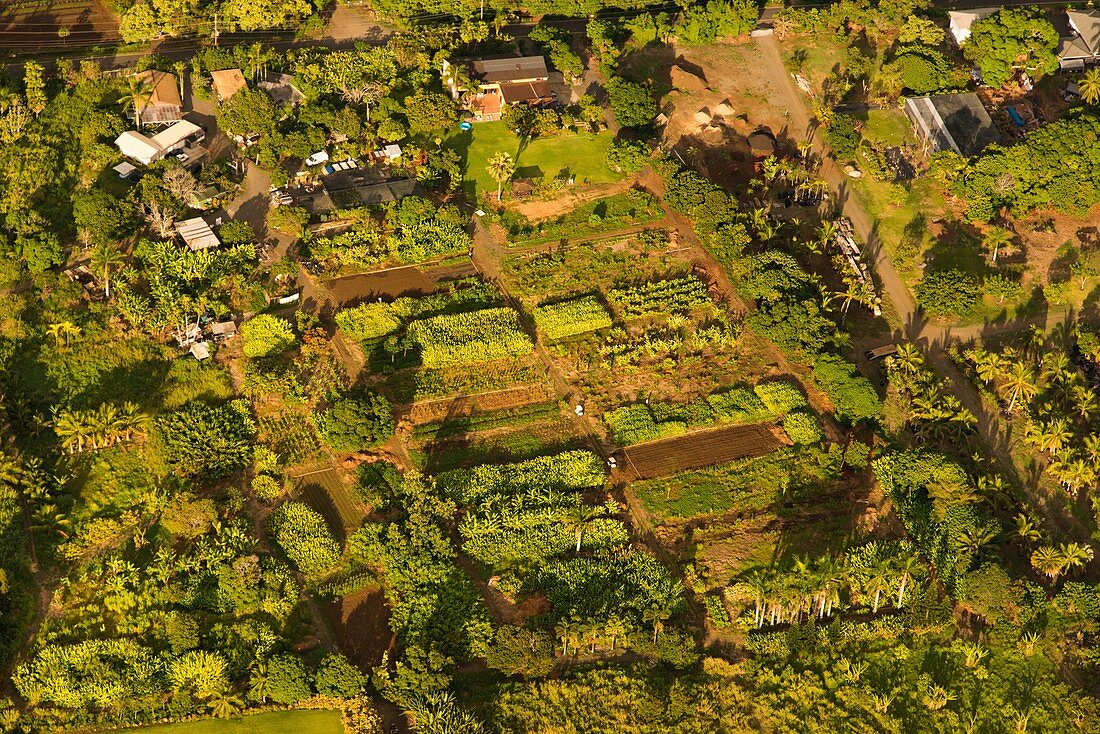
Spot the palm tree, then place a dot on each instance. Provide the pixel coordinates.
(1073, 472)
(877, 583)
(1027, 529)
(63, 330)
(656, 615)
(590, 635)
(906, 566)
(582, 518)
(564, 630)
(1020, 383)
(988, 365)
(1089, 86)
(501, 167)
(907, 360)
(972, 540)
(1049, 562)
(179, 68)
(1074, 555)
(996, 239)
(139, 90)
(614, 628)
(105, 259)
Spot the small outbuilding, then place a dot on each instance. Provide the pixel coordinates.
(197, 234)
(162, 103)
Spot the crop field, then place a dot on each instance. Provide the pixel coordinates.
(275, 722)
(361, 622)
(328, 493)
(393, 283)
(697, 450)
(27, 25)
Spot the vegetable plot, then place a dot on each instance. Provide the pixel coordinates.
(470, 338)
(569, 318)
(571, 470)
(679, 295)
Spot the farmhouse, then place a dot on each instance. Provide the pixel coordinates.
(962, 20)
(496, 83)
(1079, 46)
(955, 122)
(146, 150)
(162, 103)
(227, 82)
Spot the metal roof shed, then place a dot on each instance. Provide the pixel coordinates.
(197, 235)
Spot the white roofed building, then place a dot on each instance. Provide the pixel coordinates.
(197, 234)
(962, 20)
(145, 149)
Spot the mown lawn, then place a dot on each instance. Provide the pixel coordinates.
(274, 722)
(582, 153)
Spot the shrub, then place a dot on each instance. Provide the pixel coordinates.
(781, 396)
(570, 470)
(266, 488)
(627, 156)
(357, 422)
(738, 404)
(266, 336)
(290, 220)
(304, 537)
(949, 292)
(853, 396)
(367, 322)
(802, 427)
(336, 676)
(843, 136)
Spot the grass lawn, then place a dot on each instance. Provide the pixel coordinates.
(582, 153)
(275, 722)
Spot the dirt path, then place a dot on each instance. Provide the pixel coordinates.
(542, 209)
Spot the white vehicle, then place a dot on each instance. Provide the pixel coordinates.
(317, 158)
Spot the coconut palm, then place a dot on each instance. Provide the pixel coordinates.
(582, 518)
(139, 90)
(997, 239)
(106, 259)
(1020, 384)
(1073, 472)
(501, 168)
(907, 360)
(564, 630)
(988, 365)
(877, 584)
(1089, 86)
(906, 566)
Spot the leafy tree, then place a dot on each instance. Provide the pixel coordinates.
(267, 335)
(948, 292)
(627, 156)
(99, 216)
(252, 15)
(237, 232)
(1011, 39)
(429, 112)
(920, 31)
(292, 220)
(287, 681)
(336, 676)
(359, 421)
(248, 112)
(631, 103)
(923, 70)
(843, 135)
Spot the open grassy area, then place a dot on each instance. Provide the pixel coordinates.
(275, 722)
(581, 153)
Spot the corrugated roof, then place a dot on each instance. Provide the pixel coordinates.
(227, 82)
(176, 134)
(196, 233)
(510, 69)
(139, 147)
(525, 92)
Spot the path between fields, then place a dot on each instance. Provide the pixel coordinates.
(931, 337)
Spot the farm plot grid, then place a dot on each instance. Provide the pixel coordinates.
(697, 450)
